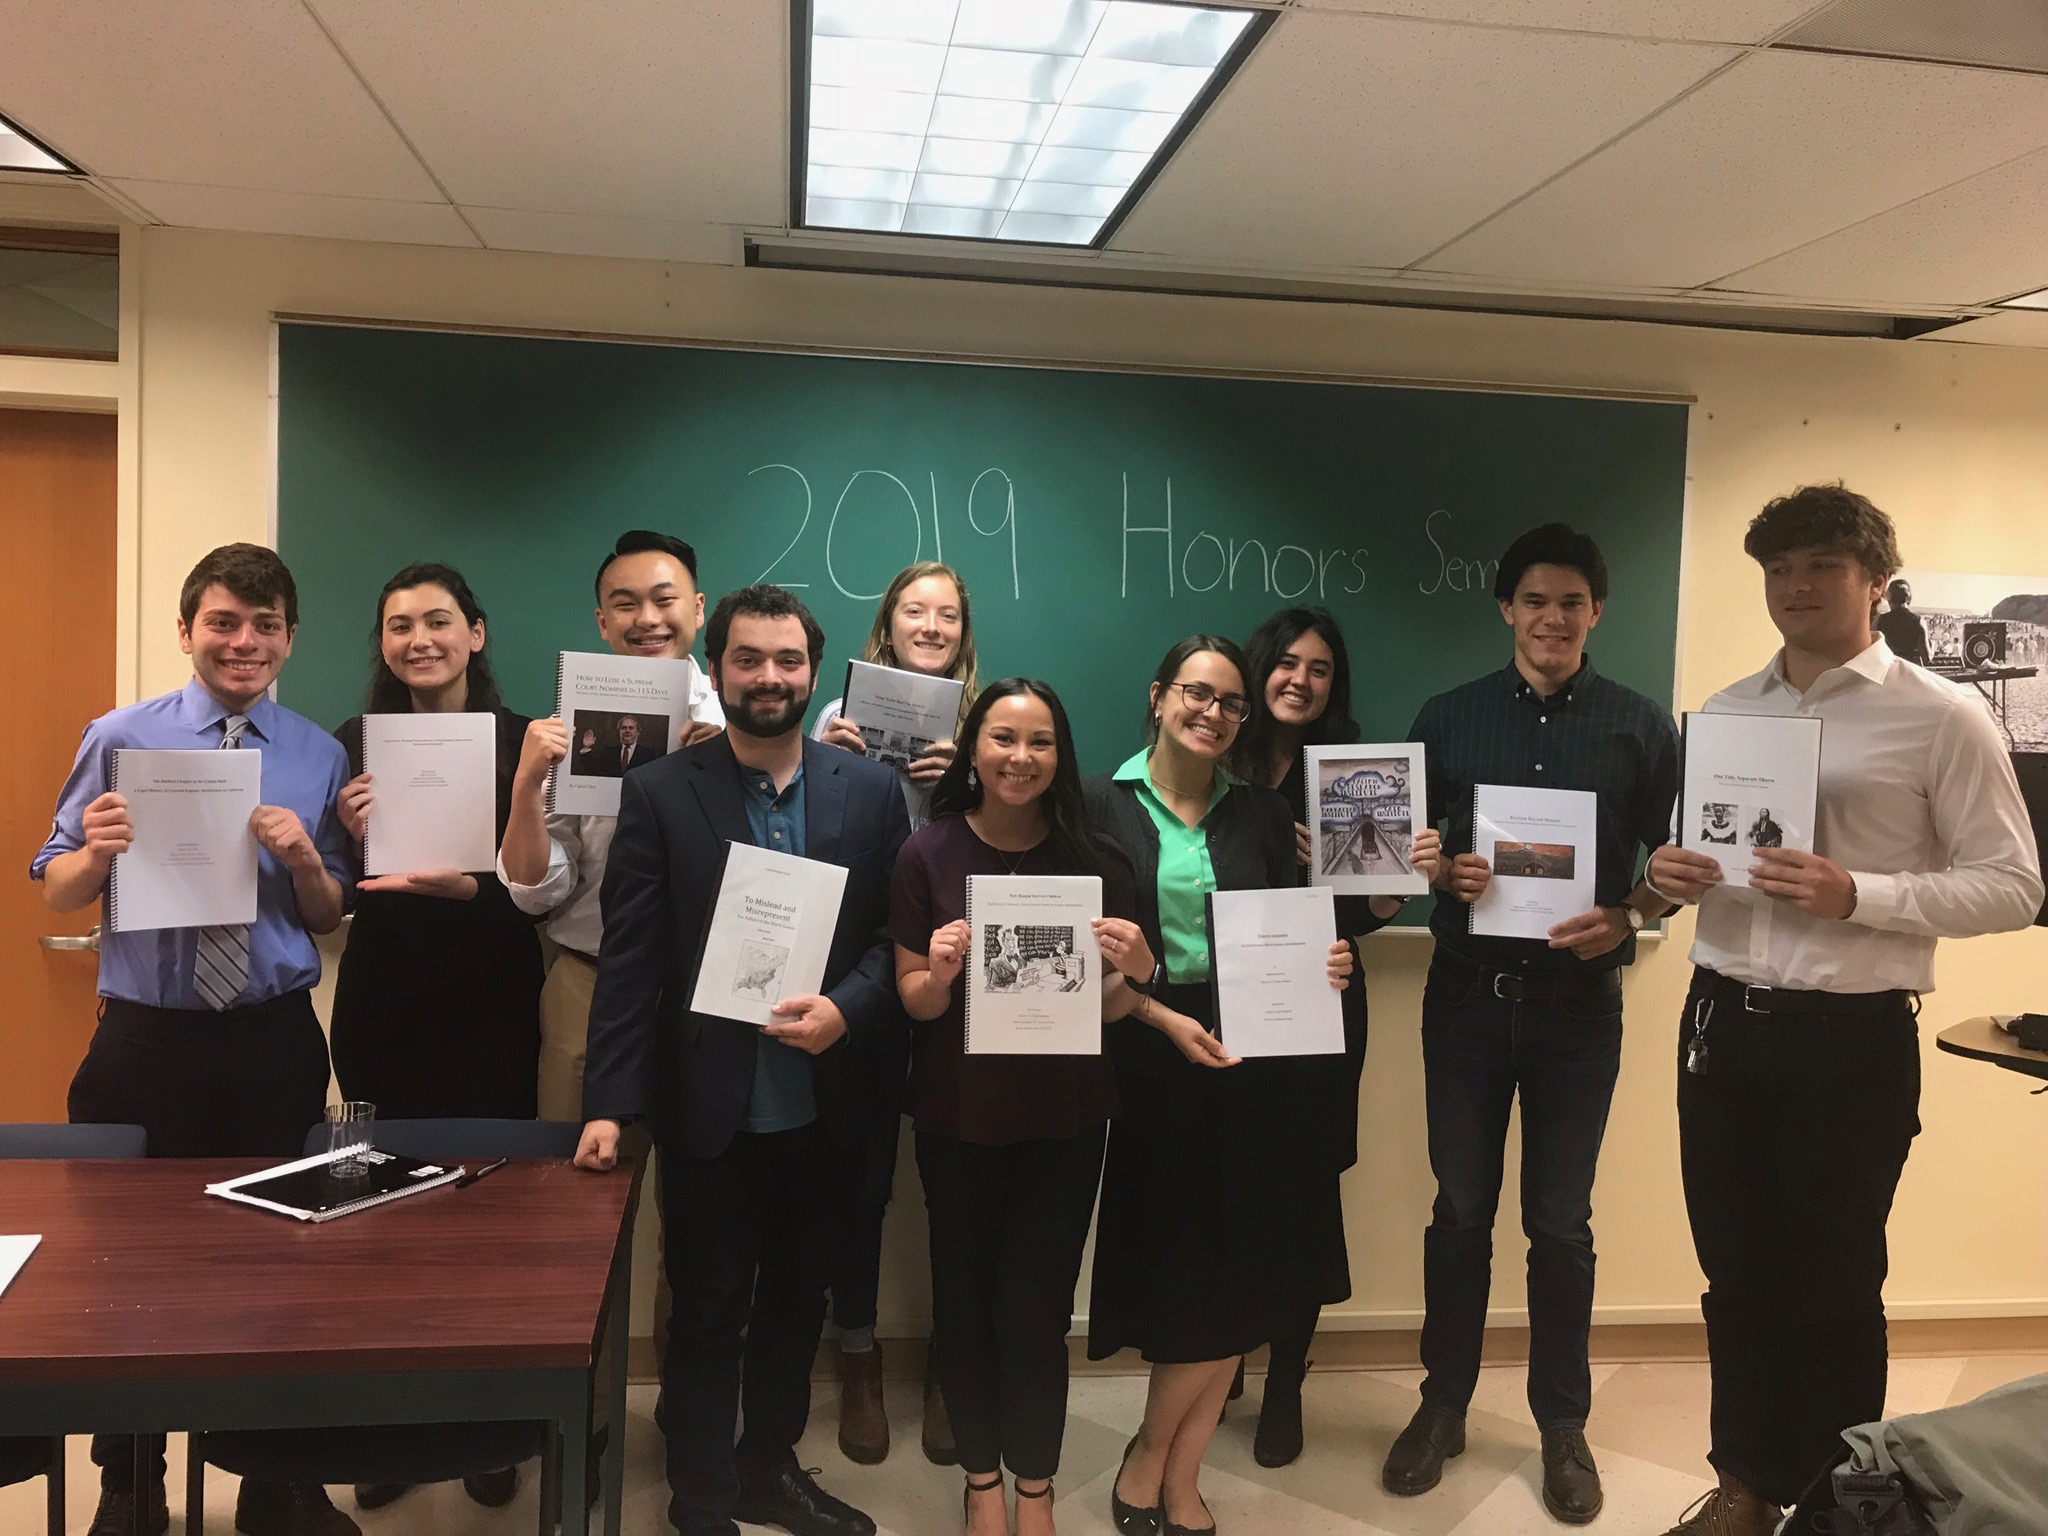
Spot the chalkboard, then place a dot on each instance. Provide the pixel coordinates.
(1095, 515)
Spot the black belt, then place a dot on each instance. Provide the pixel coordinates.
(1528, 987)
(1800, 1000)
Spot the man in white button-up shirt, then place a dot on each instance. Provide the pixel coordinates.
(1799, 1055)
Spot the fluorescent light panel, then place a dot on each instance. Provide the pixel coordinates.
(2035, 300)
(998, 119)
(20, 153)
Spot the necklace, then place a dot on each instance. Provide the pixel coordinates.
(1011, 861)
(1165, 788)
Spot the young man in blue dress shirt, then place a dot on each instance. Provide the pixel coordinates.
(207, 1037)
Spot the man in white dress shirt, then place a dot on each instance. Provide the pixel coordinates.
(1799, 1052)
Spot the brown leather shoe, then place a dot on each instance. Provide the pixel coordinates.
(1733, 1509)
(937, 1438)
(863, 1420)
(1571, 1481)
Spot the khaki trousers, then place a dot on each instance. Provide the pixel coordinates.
(564, 1032)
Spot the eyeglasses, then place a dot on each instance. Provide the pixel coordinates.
(1200, 696)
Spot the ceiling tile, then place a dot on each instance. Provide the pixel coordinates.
(298, 213)
(652, 109)
(1706, 21)
(1780, 150)
(1350, 142)
(1972, 243)
(218, 92)
(585, 234)
(2011, 328)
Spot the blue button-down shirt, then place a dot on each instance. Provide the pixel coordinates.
(304, 770)
(784, 1096)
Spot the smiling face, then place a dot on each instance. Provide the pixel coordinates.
(764, 678)
(1298, 687)
(1552, 613)
(424, 640)
(237, 648)
(1821, 599)
(1200, 731)
(926, 627)
(1016, 750)
(649, 606)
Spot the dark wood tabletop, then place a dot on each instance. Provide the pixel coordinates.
(1982, 1040)
(142, 1275)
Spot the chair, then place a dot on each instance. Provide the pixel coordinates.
(399, 1453)
(27, 1456)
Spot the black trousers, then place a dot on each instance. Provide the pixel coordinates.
(1007, 1228)
(248, 1082)
(1792, 1141)
(749, 1236)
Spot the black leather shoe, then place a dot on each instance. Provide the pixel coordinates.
(1571, 1483)
(289, 1509)
(1168, 1528)
(1129, 1519)
(377, 1495)
(1416, 1462)
(116, 1514)
(493, 1490)
(784, 1494)
(1278, 1440)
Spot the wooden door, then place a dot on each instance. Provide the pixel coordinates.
(57, 549)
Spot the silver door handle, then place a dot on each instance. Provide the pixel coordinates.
(72, 940)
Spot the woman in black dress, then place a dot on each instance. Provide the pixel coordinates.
(1301, 697)
(1009, 1147)
(437, 1001)
(1219, 1223)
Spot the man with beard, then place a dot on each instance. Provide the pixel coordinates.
(753, 1125)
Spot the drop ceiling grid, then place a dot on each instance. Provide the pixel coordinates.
(1704, 21)
(588, 234)
(258, 211)
(641, 109)
(1978, 241)
(1350, 142)
(1777, 151)
(216, 93)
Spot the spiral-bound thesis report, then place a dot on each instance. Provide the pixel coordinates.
(622, 712)
(434, 783)
(1034, 978)
(770, 933)
(1542, 845)
(193, 860)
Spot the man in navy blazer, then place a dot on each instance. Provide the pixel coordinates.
(753, 1124)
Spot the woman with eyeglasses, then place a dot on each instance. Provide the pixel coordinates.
(1301, 697)
(1214, 1233)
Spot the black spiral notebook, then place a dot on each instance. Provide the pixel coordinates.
(310, 1189)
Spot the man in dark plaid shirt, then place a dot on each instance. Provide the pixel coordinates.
(1502, 1016)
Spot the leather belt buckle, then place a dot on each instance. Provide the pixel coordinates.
(1757, 999)
(1502, 977)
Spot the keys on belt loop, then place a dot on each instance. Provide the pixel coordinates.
(1696, 1052)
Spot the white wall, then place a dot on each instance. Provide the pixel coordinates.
(1952, 440)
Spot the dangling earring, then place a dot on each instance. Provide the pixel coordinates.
(973, 778)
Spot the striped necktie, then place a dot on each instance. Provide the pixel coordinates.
(221, 967)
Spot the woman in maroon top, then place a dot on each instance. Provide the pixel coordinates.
(1009, 1147)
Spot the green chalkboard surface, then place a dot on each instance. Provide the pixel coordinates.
(1096, 516)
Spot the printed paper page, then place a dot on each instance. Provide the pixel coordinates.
(1363, 818)
(1034, 973)
(1541, 844)
(1271, 955)
(14, 1252)
(770, 933)
(193, 860)
(434, 783)
(1751, 781)
(622, 712)
(900, 713)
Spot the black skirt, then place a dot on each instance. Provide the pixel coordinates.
(1220, 1223)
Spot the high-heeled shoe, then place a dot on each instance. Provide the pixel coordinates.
(1129, 1519)
(967, 1495)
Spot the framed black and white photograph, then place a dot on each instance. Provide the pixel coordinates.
(1363, 816)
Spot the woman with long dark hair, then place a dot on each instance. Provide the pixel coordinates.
(1300, 696)
(1009, 1147)
(1219, 1223)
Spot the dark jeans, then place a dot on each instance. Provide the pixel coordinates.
(1007, 1228)
(1792, 1142)
(856, 1273)
(749, 1238)
(248, 1082)
(1562, 1057)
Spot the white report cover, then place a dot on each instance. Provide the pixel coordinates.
(1270, 971)
(1751, 781)
(770, 933)
(193, 861)
(1363, 812)
(622, 712)
(434, 793)
(1034, 971)
(900, 713)
(1541, 844)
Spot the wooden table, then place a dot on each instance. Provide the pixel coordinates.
(1982, 1040)
(152, 1306)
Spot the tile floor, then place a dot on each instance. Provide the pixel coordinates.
(1648, 1431)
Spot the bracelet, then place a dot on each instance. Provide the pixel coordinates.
(1663, 896)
